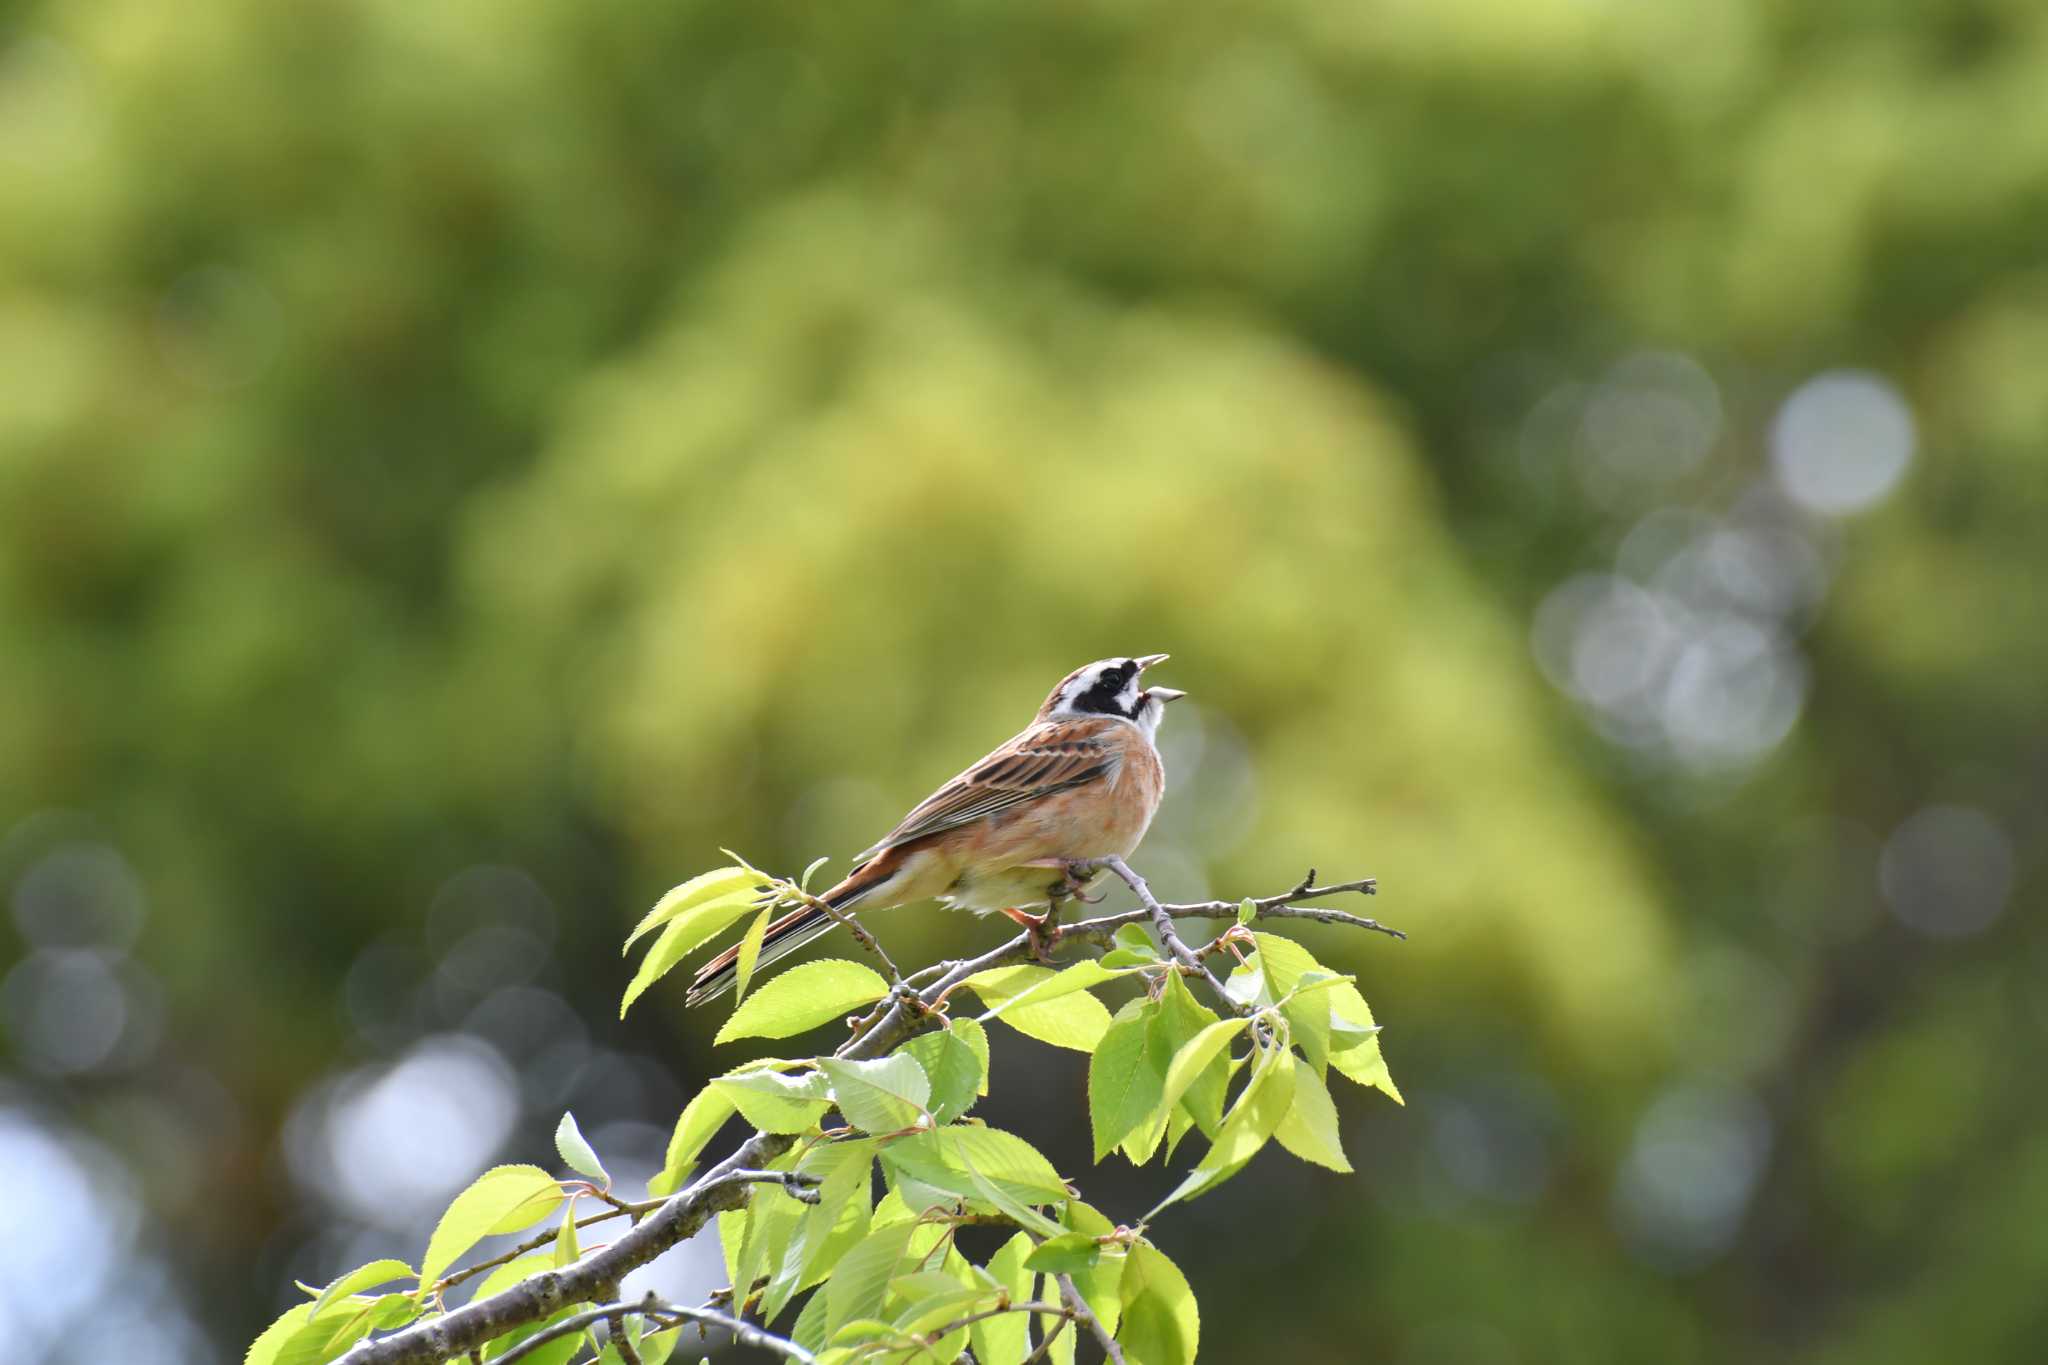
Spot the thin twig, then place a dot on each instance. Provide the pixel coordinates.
(533, 1243)
(853, 926)
(938, 1334)
(1082, 1312)
(1163, 922)
(1045, 1347)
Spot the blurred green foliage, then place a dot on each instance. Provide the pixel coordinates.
(581, 435)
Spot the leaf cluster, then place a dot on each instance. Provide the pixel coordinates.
(848, 1241)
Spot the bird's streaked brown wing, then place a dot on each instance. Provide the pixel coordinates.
(1028, 768)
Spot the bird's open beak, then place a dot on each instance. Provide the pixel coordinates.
(1165, 694)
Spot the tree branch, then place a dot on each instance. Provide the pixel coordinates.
(595, 1277)
(1078, 1306)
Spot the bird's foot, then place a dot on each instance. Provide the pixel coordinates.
(1042, 930)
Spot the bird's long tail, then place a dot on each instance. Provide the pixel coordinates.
(784, 936)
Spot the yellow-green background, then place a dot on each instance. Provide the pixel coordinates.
(576, 436)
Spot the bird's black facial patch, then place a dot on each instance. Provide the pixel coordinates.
(1105, 697)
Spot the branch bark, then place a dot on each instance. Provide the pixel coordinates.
(595, 1277)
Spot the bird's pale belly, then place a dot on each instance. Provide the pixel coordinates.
(1010, 873)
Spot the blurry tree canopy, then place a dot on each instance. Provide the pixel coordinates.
(399, 398)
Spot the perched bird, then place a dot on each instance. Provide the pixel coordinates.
(1081, 781)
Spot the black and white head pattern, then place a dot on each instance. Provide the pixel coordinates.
(1107, 687)
(1110, 687)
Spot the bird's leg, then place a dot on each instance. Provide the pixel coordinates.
(1072, 886)
(1044, 930)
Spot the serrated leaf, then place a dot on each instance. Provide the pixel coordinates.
(773, 1217)
(860, 1281)
(511, 1273)
(1161, 1324)
(361, 1278)
(1005, 1340)
(954, 1068)
(975, 1036)
(776, 1103)
(1065, 1254)
(841, 1217)
(942, 1157)
(1181, 1018)
(1023, 986)
(749, 954)
(698, 891)
(885, 1095)
(802, 998)
(567, 1249)
(264, 1350)
(1132, 938)
(1097, 1285)
(1250, 1123)
(323, 1339)
(1196, 1055)
(1124, 1088)
(699, 1122)
(683, 936)
(577, 1152)
(1309, 1129)
(1074, 1020)
(502, 1199)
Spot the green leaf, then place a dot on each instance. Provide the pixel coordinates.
(749, 954)
(1355, 1042)
(881, 1096)
(264, 1350)
(773, 1217)
(1097, 1284)
(971, 1032)
(1309, 1129)
(1005, 1340)
(323, 1339)
(361, 1278)
(1181, 1019)
(698, 891)
(862, 1277)
(812, 871)
(1161, 1325)
(1132, 938)
(802, 998)
(511, 1273)
(1247, 911)
(776, 1103)
(947, 1159)
(1065, 1254)
(955, 1069)
(683, 936)
(1074, 1020)
(841, 1216)
(567, 1249)
(576, 1152)
(1061, 1351)
(502, 1199)
(1195, 1056)
(556, 1352)
(1251, 1121)
(699, 1122)
(1124, 1087)
(1022, 986)
(653, 1349)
